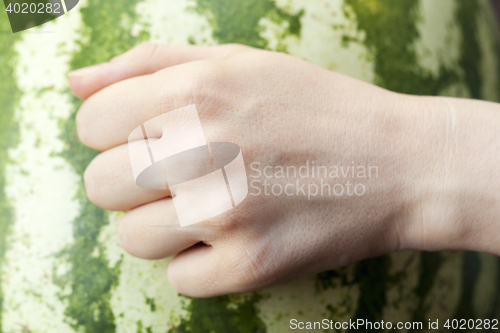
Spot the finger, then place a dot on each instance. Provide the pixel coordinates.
(110, 183)
(143, 59)
(196, 272)
(107, 118)
(152, 231)
(208, 271)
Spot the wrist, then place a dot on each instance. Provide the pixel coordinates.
(455, 195)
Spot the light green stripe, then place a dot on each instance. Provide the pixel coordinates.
(9, 98)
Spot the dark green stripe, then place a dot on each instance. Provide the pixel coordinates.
(214, 315)
(470, 274)
(9, 134)
(332, 279)
(373, 278)
(390, 27)
(238, 21)
(391, 30)
(430, 262)
(495, 310)
(470, 59)
(90, 279)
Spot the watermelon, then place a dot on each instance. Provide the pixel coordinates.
(61, 265)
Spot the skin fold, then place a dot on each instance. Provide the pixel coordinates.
(436, 188)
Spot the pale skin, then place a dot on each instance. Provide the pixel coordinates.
(438, 183)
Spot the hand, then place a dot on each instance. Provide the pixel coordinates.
(282, 112)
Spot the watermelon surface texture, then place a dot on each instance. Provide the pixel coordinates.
(61, 265)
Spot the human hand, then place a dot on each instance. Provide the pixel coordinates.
(282, 112)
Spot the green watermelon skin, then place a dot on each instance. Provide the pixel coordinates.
(62, 269)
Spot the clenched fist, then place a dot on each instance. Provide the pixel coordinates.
(338, 170)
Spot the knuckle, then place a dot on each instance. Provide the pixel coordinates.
(146, 46)
(151, 51)
(204, 82)
(143, 50)
(231, 48)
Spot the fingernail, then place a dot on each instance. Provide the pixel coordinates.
(85, 71)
